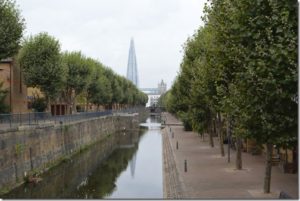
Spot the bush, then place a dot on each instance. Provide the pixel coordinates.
(39, 104)
(3, 107)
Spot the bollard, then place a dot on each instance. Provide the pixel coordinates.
(177, 145)
(10, 120)
(185, 166)
(172, 135)
(170, 129)
(30, 156)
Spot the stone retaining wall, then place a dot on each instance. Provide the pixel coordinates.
(29, 149)
(172, 188)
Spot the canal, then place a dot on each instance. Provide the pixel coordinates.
(127, 165)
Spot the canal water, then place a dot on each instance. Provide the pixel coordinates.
(128, 165)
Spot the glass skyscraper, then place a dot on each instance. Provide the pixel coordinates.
(132, 73)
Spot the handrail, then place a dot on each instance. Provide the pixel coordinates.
(36, 118)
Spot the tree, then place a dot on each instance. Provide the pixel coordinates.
(143, 99)
(11, 28)
(107, 88)
(270, 75)
(222, 54)
(3, 93)
(242, 65)
(99, 91)
(79, 71)
(118, 94)
(108, 78)
(39, 104)
(163, 99)
(41, 63)
(254, 63)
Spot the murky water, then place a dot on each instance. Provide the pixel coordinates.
(129, 165)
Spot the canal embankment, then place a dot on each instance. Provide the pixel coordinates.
(33, 149)
(208, 175)
(172, 186)
(120, 167)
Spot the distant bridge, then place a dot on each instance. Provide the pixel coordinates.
(150, 91)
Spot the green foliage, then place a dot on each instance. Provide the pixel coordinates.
(79, 70)
(11, 28)
(186, 119)
(104, 95)
(107, 88)
(19, 148)
(99, 90)
(270, 72)
(39, 104)
(4, 190)
(243, 65)
(242, 52)
(3, 93)
(40, 60)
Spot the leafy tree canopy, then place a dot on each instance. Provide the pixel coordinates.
(41, 62)
(12, 26)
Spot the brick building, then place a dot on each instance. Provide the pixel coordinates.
(12, 78)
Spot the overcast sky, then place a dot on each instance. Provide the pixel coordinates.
(102, 29)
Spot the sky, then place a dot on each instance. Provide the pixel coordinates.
(102, 29)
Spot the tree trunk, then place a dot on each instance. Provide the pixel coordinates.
(211, 140)
(295, 158)
(214, 127)
(238, 162)
(74, 110)
(228, 131)
(267, 181)
(69, 101)
(48, 109)
(220, 134)
(87, 105)
(286, 155)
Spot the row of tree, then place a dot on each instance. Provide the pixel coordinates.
(240, 71)
(62, 75)
(71, 74)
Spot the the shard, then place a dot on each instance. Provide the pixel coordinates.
(132, 73)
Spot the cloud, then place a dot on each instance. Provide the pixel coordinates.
(102, 29)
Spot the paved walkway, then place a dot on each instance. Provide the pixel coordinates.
(209, 175)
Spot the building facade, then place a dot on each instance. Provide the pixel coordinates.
(162, 87)
(12, 78)
(19, 98)
(155, 93)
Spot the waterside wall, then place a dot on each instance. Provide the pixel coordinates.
(26, 150)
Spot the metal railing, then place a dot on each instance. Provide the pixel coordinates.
(37, 118)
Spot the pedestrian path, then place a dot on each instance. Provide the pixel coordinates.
(209, 175)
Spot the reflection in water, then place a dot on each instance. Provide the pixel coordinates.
(133, 170)
(132, 165)
(102, 182)
(147, 180)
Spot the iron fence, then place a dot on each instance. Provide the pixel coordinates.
(37, 118)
